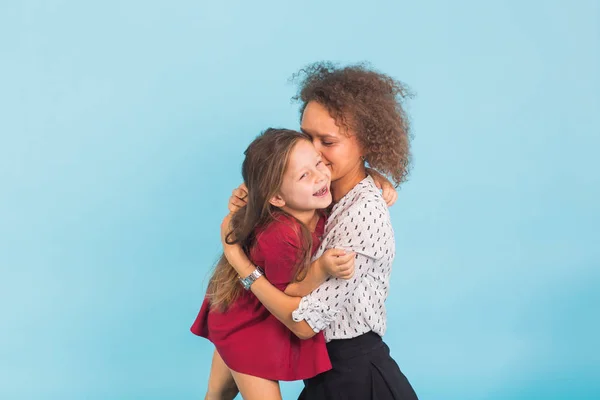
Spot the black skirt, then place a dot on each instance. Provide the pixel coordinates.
(362, 370)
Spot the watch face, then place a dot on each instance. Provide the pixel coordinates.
(244, 282)
(250, 279)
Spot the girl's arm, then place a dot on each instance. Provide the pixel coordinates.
(333, 262)
(277, 302)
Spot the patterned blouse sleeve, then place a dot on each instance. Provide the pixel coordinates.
(360, 230)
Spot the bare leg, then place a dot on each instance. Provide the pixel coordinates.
(221, 385)
(255, 388)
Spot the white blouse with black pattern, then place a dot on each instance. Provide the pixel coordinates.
(344, 309)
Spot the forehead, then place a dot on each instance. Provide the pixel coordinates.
(303, 154)
(316, 121)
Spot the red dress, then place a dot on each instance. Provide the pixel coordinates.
(247, 336)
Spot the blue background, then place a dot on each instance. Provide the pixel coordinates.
(122, 127)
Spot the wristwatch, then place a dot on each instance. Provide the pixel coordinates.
(249, 280)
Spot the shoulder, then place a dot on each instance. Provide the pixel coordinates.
(283, 230)
(363, 200)
(277, 247)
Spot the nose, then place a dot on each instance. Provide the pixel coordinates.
(318, 146)
(320, 176)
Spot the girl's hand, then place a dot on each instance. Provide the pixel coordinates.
(388, 191)
(338, 263)
(238, 198)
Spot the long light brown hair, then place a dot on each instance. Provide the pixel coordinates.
(263, 169)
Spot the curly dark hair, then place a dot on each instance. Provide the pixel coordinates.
(367, 103)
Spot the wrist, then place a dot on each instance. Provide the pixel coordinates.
(238, 260)
(319, 266)
(321, 269)
(245, 271)
(247, 281)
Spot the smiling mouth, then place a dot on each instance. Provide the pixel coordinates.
(322, 192)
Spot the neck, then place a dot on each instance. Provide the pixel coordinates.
(340, 187)
(308, 218)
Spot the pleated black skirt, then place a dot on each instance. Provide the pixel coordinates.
(362, 370)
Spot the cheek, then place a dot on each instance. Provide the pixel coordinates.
(299, 193)
(287, 190)
(325, 170)
(354, 148)
(328, 154)
(349, 153)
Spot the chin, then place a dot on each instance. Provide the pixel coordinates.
(326, 202)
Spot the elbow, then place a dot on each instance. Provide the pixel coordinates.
(290, 291)
(303, 331)
(304, 335)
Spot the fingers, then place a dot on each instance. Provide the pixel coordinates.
(377, 178)
(336, 252)
(346, 270)
(343, 259)
(340, 263)
(240, 191)
(238, 198)
(346, 276)
(388, 191)
(394, 198)
(389, 194)
(235, 203)
(385, 193)
(377, 183)
(340, 256)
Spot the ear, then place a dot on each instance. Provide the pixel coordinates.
(277, 201)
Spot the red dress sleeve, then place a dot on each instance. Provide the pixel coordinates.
(277, 251)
